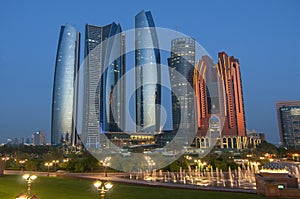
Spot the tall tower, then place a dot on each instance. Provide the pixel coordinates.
(219, 94)
(64, 97)
(104, 66)
(182, 63)
(288, 113)
(229, 69)
(209, 93)
(147, 74)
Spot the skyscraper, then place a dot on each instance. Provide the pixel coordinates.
(288, 113)
(229, 69)
(182, 63)
(103, 67)
(219, 93)
(208, 89)
(147, 74)
(64, 98)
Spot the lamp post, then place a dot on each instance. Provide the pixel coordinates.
(29, 179)
(48, 164)
(103, 187)
(55, 162)
(5, 158)
(21, 196)
(22, 162)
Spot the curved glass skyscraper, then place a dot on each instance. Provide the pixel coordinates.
(64, 98)
(147, 74)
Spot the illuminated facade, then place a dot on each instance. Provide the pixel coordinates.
(147, 74)
(218, 89)
(64, 98)
(229, 69)
(288, 113)
(103, 67)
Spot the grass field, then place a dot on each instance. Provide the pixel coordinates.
(69, 188)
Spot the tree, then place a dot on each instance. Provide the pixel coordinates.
(31, 165)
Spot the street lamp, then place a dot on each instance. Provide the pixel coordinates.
(103, 187)
(22, 162)
(5, 158)
(188, 157)
(55, 162)
(48, 164)
(21, 196)
(29, 179)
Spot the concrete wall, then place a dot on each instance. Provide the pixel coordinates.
(289, 193)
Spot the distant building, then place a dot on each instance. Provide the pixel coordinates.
(255, 137)
(64, 97)
(15, 141)
(288, 113)
(39, 138)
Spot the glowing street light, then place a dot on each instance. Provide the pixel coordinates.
(21, 196)
(55, 162)
(188, 157)
(48, 164)
(5, 158)
(29, 179)
(103, 187)
(22, 162)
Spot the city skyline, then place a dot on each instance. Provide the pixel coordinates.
(252, 79)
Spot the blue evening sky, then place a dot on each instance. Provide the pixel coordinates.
(262, 34)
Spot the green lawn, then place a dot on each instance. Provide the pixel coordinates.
(68, 188)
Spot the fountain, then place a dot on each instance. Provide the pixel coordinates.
(230, 177)
(243, 177)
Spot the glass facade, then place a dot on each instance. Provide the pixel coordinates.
(181, 63)
(64, 98)
(147, 74)
(289, 123)
(103, 67)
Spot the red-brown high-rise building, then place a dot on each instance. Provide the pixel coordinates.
(229, 68)
(219, 92)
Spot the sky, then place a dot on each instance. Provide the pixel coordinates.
(263, 35)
